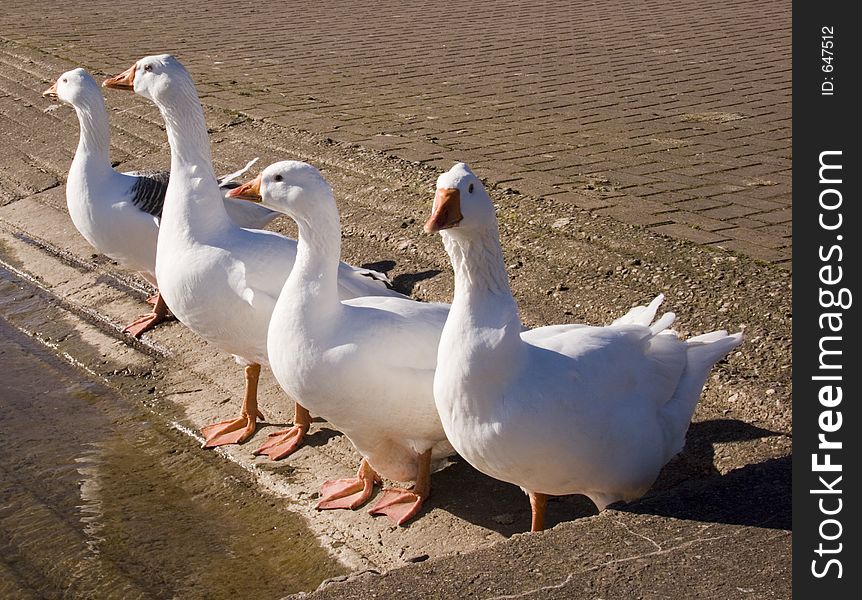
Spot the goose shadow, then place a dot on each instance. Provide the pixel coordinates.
(697, 459)
(756, 495)
(384, 266)
(405, 282)
(689, 487)
(493, 504)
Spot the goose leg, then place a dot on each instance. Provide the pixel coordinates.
(538, 502)
(146, 322)
(402, 505)
(286, 441)
(240, 429)
(348, 493)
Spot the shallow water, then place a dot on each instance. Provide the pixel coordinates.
(99, 499)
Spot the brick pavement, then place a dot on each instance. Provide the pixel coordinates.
(674, 115)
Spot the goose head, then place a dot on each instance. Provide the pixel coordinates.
(461, 204)
(156, 78)
(73, 87)
(291, 187)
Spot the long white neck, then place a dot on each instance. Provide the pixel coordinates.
(194, 203)
(187, 130)
(482, 333)
(92, 158)
(312, 287)
(480, 276)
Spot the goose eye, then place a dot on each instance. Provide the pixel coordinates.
(470, 189)
(65, 80)
(148, 67)
(277, 178)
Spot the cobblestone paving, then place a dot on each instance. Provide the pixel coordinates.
(671, 115)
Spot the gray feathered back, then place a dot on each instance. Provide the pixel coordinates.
(148, 192)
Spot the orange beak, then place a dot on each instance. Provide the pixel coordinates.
(248, 191)
(123, 81)
(446, 212)
(51, 92)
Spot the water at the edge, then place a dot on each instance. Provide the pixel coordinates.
(99, 501)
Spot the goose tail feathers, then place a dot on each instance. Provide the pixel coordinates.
(644, 315)
(702, 353)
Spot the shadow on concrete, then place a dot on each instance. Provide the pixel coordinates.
(384, 266)
(755, 495)
(405, 282)
(496, 505)
(697, 459)
(320, 437)
(689, 487)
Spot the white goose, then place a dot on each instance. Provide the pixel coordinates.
(118, 213)
(218, 279)
(366, 365)
(563, 409)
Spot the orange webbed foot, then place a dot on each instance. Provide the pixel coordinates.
(282, 443)
(144, 323)
(232, 431)
(240, 429)
(349, 493)
(345, 493)
(397, 504)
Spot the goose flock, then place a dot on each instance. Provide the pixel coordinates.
(561, 409)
